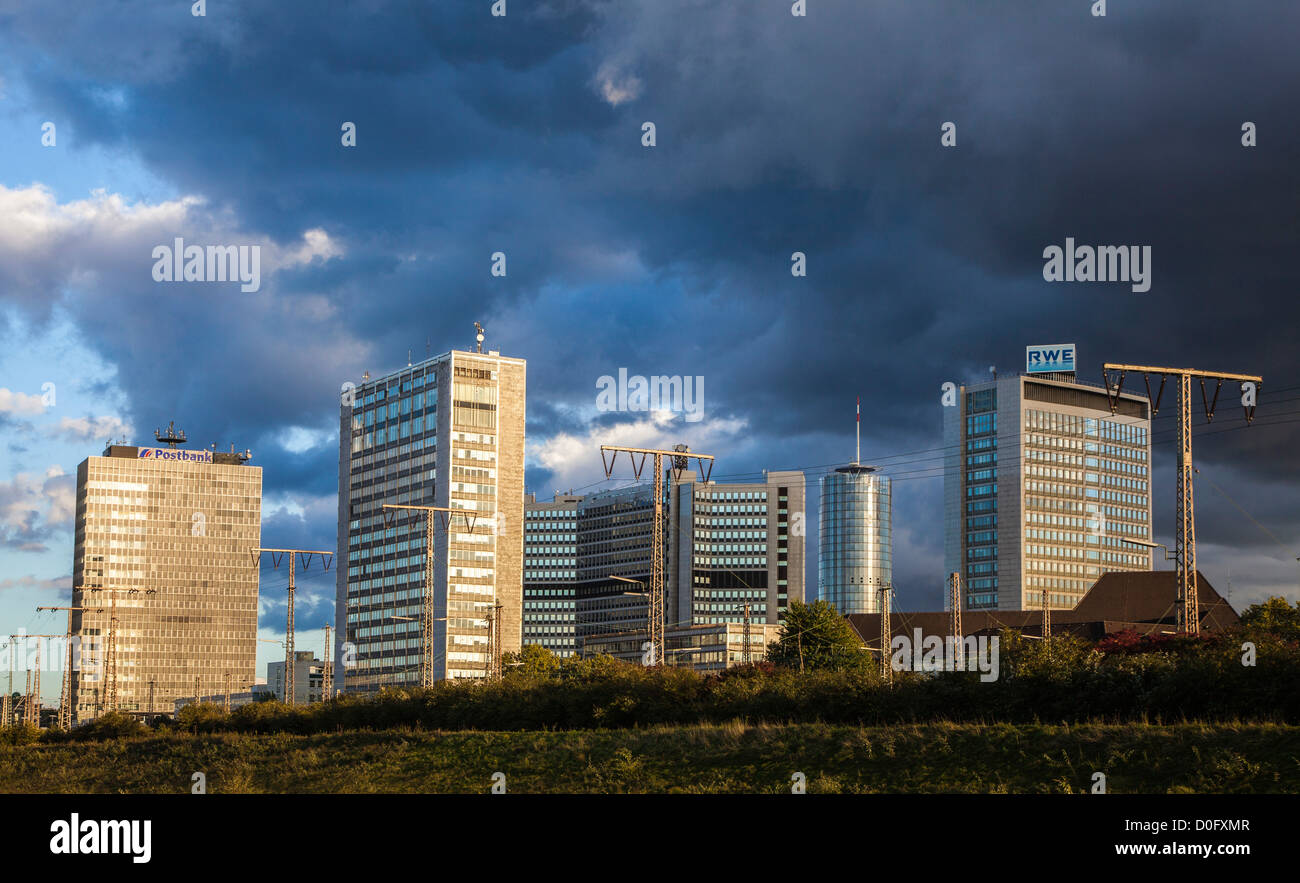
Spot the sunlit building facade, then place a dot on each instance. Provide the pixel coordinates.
(1042, 486)
(855, 538)
(445, 432)
(734, 543)
(163, 545)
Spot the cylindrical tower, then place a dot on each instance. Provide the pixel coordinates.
(856, 541)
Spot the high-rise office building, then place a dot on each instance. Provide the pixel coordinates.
(447, 432)
(164, 540)
(550, 573)
(587, 565)
(1042, 485)
(614, 560)
(855, 538)
(734, 543)
(590, 558)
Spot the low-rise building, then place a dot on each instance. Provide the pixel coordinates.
(704, 648)
(308, 672)
(257, 693)
(1143, 602)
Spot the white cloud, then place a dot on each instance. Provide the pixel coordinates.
(574, 460)
(316, 243)
(28, 581)
(20, 403)
(300, 439)
(617, 87)
(32, 506)
(303, 507)
(92, 428)
(46, 245)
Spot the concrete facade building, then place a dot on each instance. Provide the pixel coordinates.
(448, 432)
(164, 540)
(1042, 485)
(308, 673)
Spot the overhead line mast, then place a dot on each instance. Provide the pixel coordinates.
(1189, 619)
(681, 457)
(277, 555)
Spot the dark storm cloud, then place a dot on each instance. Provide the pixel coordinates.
(775, 135)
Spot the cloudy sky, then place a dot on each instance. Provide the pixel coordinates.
(523, 134)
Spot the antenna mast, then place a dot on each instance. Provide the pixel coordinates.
(172, 437)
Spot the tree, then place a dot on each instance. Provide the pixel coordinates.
(1275, 616)
(201, 717)
(532, 660)
(110, 725)
(815, 637)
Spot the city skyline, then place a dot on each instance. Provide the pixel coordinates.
(923, 264)
(310, 636)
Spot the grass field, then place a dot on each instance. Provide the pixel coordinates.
(730, 758)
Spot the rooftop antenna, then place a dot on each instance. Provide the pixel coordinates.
(427, 353)
(479, 336)
(408, 357)
(173, 437)
(857, 450)
(365, 376)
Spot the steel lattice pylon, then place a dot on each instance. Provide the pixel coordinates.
(290, 675)
(745, 636)
(681, 457)
(1189, 619)
(426, 606)
(427, 618)
(110, 660)
(955, 602)
(65, 692)
(277, 555)
(1188, 605)
(886, 635)
(327, 667)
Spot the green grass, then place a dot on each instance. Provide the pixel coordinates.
(727, 758)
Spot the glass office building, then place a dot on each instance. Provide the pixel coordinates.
(588, 558)
(1042, 486)
(550, 573)
(856, 540)
(734, 543)
(446, 432)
